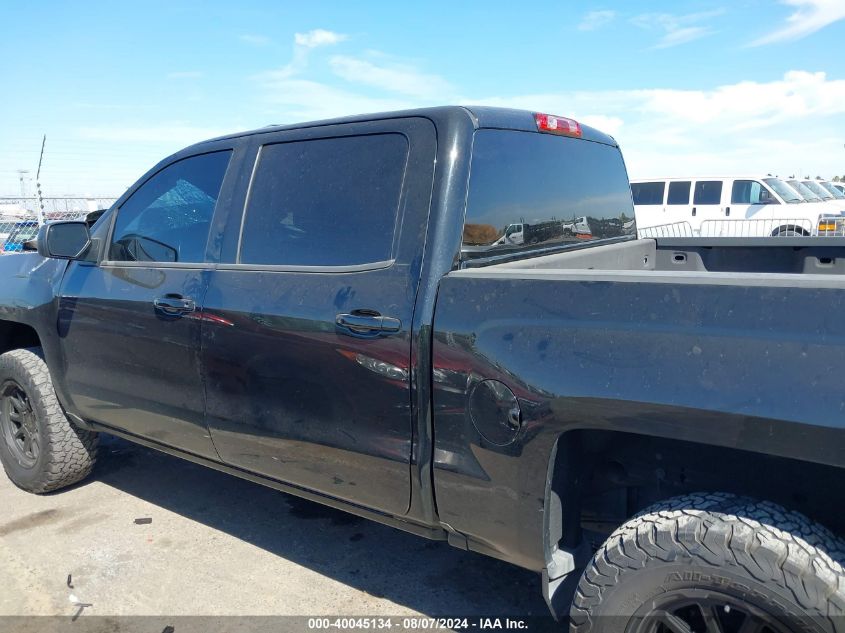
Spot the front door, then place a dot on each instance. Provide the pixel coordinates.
(754, 205)
(307, 337)
(129, 325)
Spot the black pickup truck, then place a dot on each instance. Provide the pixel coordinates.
(656, 426)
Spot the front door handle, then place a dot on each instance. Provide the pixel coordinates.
(365, 322)
(174, 304)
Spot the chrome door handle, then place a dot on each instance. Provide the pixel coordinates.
(174, 305)
(368, 323)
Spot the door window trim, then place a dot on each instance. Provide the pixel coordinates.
(105, 262)
(352, 268)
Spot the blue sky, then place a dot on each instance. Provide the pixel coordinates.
(687, 87)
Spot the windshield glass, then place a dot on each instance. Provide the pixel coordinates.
(802, 189)
(786, 192)
(833, 190)
(530, 191)
(817, 189)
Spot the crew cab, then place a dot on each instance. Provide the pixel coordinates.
(654, 425)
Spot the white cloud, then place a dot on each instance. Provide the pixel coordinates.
(401, 78)
(304, 100)
(303, 45)
(810, 16)
(295, 98)
(596, 19)
(318, 37)
(677, 29)
(781, 126)
(256, 40)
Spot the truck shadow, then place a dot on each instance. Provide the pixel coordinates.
(430, 577)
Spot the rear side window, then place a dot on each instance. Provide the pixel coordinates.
(325, 202)
(168, 218)
(679, 192)
(708, 192)
(528, 190)
(646, 193)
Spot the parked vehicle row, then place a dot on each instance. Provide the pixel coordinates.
(738, 206)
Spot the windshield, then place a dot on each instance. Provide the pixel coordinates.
(805, 192)
(786, 192)
(817, 189)
(530, 191)
(833, 190)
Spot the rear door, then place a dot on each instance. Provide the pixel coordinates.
(306, 343)
(129, 324)
(707, 208)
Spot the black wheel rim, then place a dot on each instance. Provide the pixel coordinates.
(19, 424)
(703, 611)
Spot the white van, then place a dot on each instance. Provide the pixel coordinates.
(735, 206)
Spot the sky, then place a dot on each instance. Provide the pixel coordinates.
(687, 87)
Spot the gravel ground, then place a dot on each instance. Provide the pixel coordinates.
(218, 545)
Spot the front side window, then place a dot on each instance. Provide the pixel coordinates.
(708, 192)
(325, 202)
(679, 192)
(168, 218)
(530, 190)
(750, 192)
(648, 193)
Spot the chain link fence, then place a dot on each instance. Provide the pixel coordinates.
(20, 218)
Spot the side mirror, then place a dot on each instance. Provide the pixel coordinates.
(63, 240)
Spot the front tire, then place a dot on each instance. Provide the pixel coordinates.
(714, 562)
(41, 450)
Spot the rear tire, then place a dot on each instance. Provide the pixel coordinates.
(714, 562)
(41, 450)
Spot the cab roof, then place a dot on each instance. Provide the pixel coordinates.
(480, 116)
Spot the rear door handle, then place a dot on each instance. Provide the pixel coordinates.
(368, 323)
(174, 304)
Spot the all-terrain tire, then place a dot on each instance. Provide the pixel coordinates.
(65, 453)
(714, 548)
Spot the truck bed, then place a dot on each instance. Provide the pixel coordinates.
(804, 255)
(730, 345)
